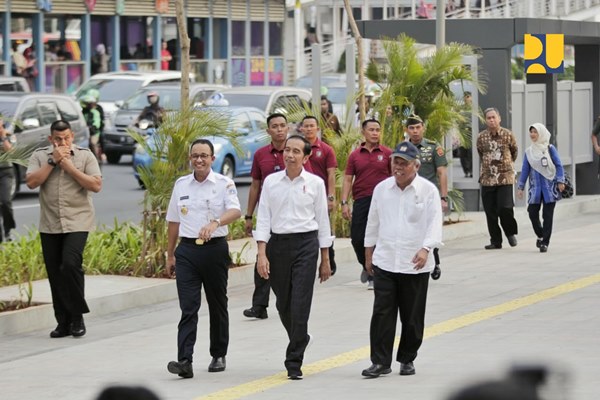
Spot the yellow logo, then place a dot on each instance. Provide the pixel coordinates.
(544, 54)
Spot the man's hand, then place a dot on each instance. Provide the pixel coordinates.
(60, 153)
(330, 205)
(207, 230)
(520, 193)
(324, 270)
(444, 206)
(597, 150)
(346, 213)
(248, 227)
(420, 259)
(171, 266)
(262, 266)
(561, 187)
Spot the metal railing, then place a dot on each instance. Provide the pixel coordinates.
(330, 56)
(63, 76)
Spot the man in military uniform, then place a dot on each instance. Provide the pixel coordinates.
(65, 174)
(433, 168)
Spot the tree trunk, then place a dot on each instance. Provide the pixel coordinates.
(359, 54)
(185, 54)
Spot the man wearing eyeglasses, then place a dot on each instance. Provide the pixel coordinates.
(497, 148)
(65, 174)
(202, 204)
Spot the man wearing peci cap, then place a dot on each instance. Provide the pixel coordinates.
(433, 168)
(404, 224)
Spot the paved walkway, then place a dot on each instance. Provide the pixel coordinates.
(490, 309)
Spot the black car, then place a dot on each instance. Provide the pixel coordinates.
(28, 117)
(116, 140)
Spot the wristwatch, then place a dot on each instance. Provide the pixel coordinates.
(217, 220)
(330, 197)
(344, 202)
(427, 249)
(51, 162)
(247, 217)
(445, 198)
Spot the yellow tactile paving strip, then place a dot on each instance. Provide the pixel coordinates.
(272, 381)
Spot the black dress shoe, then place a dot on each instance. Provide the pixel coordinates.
(493, 246)
(217, 364)
(543, 248)
(294, 375)
(182, 368)
(256, 312)
(436, 273)
(407, 369)
(375, 370)
(78, 328)
(538, 243)
(512, 240)
(61, 330)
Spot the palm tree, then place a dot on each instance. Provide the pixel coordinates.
(422, 86)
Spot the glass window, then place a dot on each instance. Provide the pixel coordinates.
(111, 89)
(202, 96)
(48, 113)
(238, 36)
(275, 38)
(67, 110)
(259, 120)
(240, 121)
(219, 38)
(29, 111)
(248, 100)
(257, 29)
(64, 34)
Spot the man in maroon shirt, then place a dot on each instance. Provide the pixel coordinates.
(267, 159)
(368, 165)
(322, 162)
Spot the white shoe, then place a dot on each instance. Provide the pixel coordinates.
(370, 286)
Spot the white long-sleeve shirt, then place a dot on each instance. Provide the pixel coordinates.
(293, 206)
(403, 221)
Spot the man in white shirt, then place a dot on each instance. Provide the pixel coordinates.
(202, 204)
(291, 226)
(404, 224)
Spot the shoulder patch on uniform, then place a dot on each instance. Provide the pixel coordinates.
(440, 151)
(230, 185)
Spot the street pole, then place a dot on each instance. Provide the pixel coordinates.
(440, 24)
(298, 45)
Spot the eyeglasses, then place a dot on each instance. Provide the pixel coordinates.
(202, 156)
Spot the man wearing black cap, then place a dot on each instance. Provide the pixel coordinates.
(433, 168)
(404, 224)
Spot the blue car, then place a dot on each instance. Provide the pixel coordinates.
(248, 123)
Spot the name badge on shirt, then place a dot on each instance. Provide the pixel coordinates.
(544, 162)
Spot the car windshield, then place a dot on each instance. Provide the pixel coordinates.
(111, 89)
(169, 98)
(337, 95)
(8, 108)
(247, 100)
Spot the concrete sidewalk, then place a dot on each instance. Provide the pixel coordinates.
(108, 294)
(490, 310)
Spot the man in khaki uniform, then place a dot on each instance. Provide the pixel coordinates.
(65, 174)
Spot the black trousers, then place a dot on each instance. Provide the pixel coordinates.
(358, 226)
(196, 267)
(542, 231)
(6, 211)
(498, 203)
(63, 256)
(406, 294)
(262, 287)
(466, 159)
(293, 265)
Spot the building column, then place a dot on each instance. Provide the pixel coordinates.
(86, 44)
(496, 63)
(6, 44)
(157, 39)
(551, 82)
(266, 44)
(209, 45)
(229, 46)
(248, 44)
(115, 57)
(37, 22)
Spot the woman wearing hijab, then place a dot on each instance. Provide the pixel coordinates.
(542, 166)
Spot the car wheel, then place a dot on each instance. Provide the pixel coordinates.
(113, 158)
(228, 168)
(15, 184)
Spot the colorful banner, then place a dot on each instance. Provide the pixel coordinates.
(257, 72)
